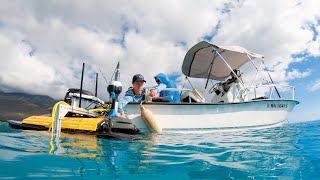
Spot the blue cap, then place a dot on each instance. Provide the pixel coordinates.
(138, 77)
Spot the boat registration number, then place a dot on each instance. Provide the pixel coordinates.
(277, 105)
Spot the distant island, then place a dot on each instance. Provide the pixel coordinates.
(18, 106)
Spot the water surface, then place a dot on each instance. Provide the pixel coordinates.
(287, 152)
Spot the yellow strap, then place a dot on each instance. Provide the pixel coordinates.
(54, 110)
(53, 115)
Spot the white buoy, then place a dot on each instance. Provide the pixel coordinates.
(149, 119)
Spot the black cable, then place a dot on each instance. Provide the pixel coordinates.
(103, 76)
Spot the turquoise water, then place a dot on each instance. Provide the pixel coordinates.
(288, 152)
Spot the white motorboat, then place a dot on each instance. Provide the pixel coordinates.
(231, 103)
(230, 106)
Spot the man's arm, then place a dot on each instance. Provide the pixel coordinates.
(157, 89)
(122, 103)
(160, 87)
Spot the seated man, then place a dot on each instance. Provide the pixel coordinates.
(228, 90)
(134, 94)
(165, 95)
(226, 85)
(233, 89)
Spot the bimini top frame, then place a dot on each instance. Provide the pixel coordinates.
(205, 60)
(209, 61)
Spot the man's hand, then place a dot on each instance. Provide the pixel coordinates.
(152, 92)
(122, 115)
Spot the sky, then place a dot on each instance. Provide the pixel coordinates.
(44, 43)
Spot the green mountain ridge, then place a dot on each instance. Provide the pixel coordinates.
(18, 106)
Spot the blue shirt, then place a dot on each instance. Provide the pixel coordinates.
(171, 96)
(130, 97)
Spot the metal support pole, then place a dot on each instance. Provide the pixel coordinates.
(230, 68)
(272, 80)
(96, 91)
(211, 65)
(81, 84)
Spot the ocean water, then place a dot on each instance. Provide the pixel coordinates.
(291, 151)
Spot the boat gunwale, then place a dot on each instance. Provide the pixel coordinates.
(196, 103)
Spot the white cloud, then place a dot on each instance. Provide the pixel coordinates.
(154, 38)
(276, 29)
(64, 39)
(296, 74)
(315, 86)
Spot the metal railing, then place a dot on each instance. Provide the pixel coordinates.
(272, 89)
(287, 91)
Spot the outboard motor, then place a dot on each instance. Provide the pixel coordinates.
(113, 124)
(114, 89)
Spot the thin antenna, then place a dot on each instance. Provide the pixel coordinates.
(81, 84)
(117, 73)
(114, 72)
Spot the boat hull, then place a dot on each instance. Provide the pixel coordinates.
(194, 116)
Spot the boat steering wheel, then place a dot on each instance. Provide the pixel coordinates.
(214, 88)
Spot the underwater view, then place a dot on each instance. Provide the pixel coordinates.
(160, 89)
(290, 151)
